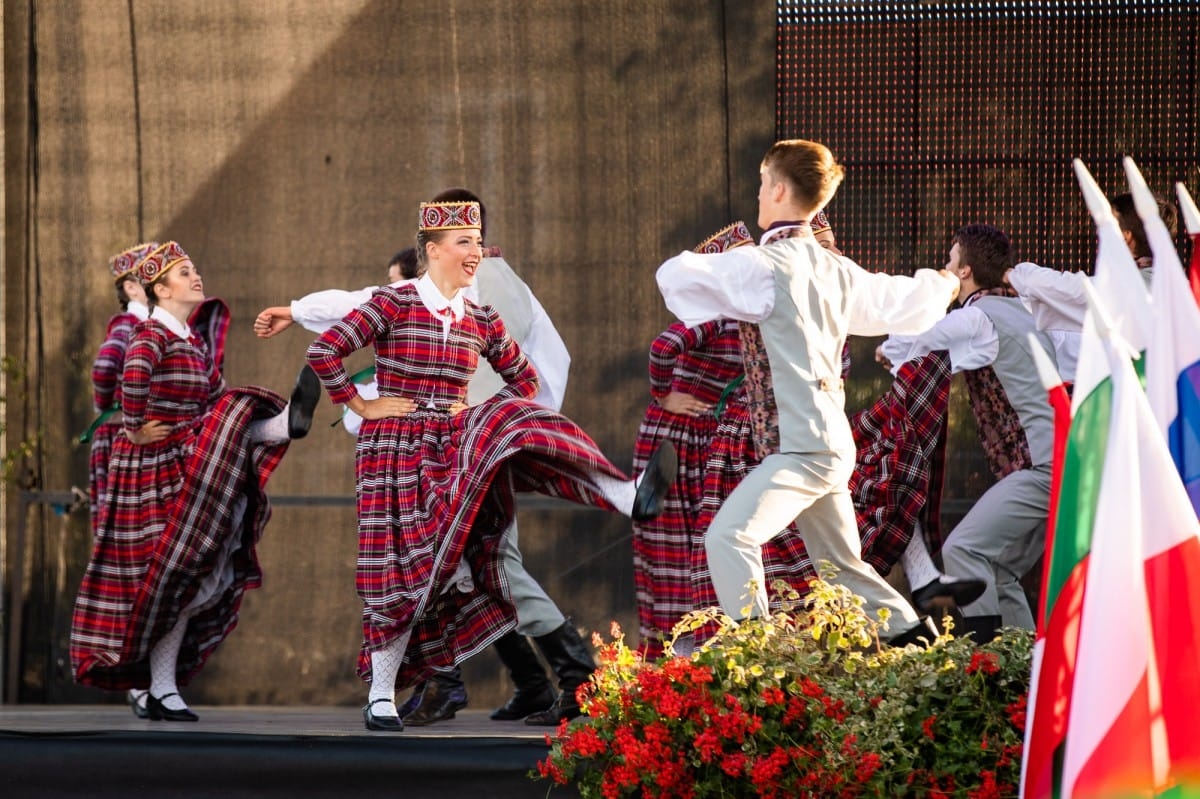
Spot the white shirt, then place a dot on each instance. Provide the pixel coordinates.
(1058, 304)
(740, 284)
(966, 333)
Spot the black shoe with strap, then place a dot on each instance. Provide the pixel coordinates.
(381, 723)
(534, 693)
(156, 711)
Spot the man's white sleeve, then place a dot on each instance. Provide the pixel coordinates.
(1056, 299)
(884, 303)
(737, 284)
(323, 309)
(966, 333)
(545, 349)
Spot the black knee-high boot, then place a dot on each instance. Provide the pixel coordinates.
(572, 662)
(981, 628)
(534, 692)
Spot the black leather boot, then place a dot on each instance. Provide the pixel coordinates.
(982, 628)
(573, 664)
(534, 692)
(443, 696)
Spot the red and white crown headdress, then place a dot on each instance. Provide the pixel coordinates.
(123, 264)
(820, 222)
(160, 261)
(726, 238)
(450, 216)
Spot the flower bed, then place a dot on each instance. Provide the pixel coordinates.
(804, 703)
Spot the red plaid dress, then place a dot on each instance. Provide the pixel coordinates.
(181, 517)
(899, 463)
(106, 392)
(699, 361)
(436, 490)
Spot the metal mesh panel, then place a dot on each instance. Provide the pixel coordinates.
(948, 113)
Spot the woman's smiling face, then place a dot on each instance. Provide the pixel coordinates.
(454, 258)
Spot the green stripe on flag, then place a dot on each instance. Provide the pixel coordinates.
(1083, 467)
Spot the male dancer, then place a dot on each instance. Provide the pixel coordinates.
(988, 338)
(537, 615)
(806, 300)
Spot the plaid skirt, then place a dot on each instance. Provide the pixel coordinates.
(177, 528)
(102, 443)
(435, 491)
(730, 459)
(662, 548)
(899, 464)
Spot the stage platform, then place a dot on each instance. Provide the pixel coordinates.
(233, 752)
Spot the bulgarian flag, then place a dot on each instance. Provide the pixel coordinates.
(1116, 736)
(1041, 740)
(1074, 501)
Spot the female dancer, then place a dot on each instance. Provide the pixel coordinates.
(184, 507)
(436, 478)
(689, 370)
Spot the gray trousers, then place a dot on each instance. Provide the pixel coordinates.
(536, 612)
(998, 541)
(812, 488)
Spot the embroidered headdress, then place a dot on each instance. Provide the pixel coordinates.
(820, 222)
(449, 216)
(726, 238)
(123, 264)
(160, 261)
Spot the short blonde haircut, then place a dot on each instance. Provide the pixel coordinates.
(808, 168)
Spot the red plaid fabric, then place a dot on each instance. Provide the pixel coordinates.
(436, 490)
(180, 516)
(731, 458)
(898, 470)
(210, 321)
(106, 392)
(699, 361)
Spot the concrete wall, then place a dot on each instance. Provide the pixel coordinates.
(286, 144)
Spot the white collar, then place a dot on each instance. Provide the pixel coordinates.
(138, 309)
(778, 233)
(435, 302)
(180, 329)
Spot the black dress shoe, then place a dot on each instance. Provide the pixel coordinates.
(154, 707)
(656, 483)
(381, 723)
(946, 592)
(525, 703)
(303, 402)
(923, 633)
(564, 708)
(439, 702)
(138, 704)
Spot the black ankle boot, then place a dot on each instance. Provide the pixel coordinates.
(982, 628)
(443, 696)
(534, 692)
(573, 664)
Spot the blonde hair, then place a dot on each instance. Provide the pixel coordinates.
(809, 170)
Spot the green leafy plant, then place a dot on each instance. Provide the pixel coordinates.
(803, 703)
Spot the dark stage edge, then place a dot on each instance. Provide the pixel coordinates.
(103, 751)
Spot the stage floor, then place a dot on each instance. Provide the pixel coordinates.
(259, 751)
